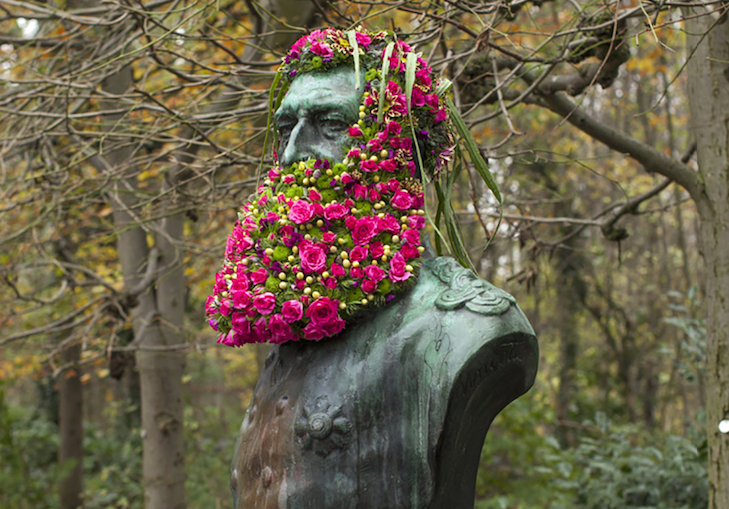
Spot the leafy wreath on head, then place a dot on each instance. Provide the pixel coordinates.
(321, 242)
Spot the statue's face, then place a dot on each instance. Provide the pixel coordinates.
(315, 114)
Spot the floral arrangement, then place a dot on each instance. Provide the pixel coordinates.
(322, 241)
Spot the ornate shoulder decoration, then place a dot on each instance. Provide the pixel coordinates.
(466, 289)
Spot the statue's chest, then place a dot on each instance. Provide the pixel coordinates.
(325, 424)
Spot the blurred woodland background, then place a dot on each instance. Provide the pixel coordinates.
(130, 130)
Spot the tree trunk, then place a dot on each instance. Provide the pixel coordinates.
(160, 372)
(708, 90)
(71, 431)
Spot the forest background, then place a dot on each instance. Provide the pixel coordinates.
(130, 131)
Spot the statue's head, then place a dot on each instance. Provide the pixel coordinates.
(332, 105)
(334, 230)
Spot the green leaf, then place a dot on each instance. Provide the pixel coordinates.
(453, 226)
(353, 42)
(472, 149)
(443, 87)
(383, 81)
(411, 63)
(271, 108)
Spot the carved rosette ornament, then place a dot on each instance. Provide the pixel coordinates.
(465, 289)
(322, 428)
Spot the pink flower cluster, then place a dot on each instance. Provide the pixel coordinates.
(297, 267)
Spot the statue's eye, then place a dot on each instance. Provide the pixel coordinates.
(333, 126)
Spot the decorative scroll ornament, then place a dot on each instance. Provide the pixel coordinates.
(465, 289)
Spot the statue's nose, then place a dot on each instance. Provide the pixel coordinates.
(300, 145)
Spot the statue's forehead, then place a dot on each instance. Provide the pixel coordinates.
(318, 89)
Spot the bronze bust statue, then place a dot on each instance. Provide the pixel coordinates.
(393, 411)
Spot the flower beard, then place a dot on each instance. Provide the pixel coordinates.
(317, 246)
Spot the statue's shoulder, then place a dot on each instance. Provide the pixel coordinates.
(461, 288)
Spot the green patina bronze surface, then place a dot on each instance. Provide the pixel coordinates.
(391, 413)
(313, 117)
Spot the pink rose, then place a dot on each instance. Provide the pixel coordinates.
(364, 230)
(363, 40)
(388, 165)
(314, 195)
(321, 49)
(377, 249)
(418, 98)
(360, 192)
(355, 131)
(423, 77)
(241, 299)
(401, 200)
(432, 100)
(411, 237)
(375, 273)
(225, 308)
(393, 185)
(418, 201)
(337, 270)
(317, 209)
(317, 331)
(239, 283)
(390, 224)
(264, 303)
(409, 252)
(292, 311)
(221, 284)
(369, 286)
(397, 268)
(329, 237)
(280, 330)
(261, 334)
(368, 165)
(374, 145)
(356, 273)
(350, 222)
(373, 196)
(241, 328)
(227, 339)
(259, 277)
(323, 311)
(416, 222)
(313, 257)
(347, 178)
(210, 308)
(353, 153)
(335, 211)
(394, 128)
(358, 253)
(330, 283)
(301, 212)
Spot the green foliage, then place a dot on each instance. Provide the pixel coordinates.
(29, 451)
(611, 467)
(113, 462)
